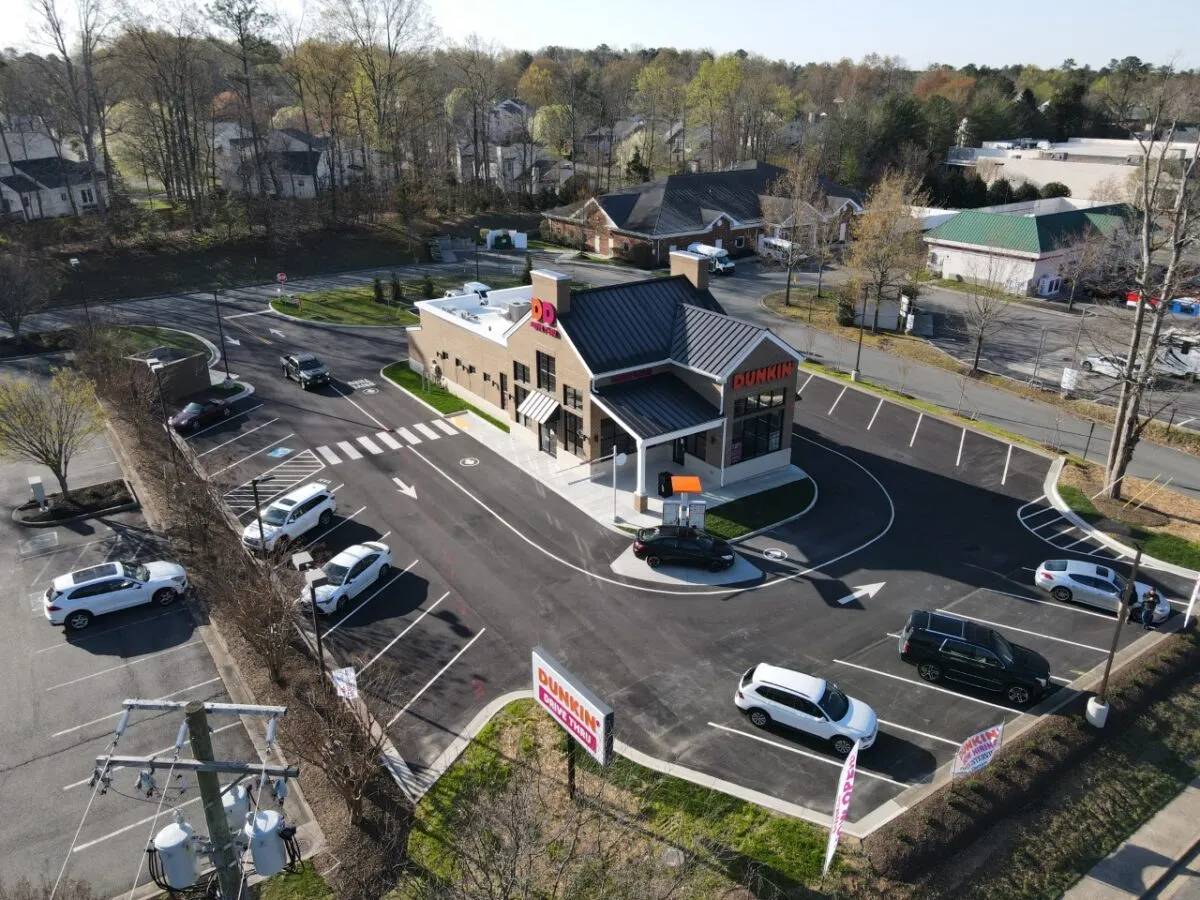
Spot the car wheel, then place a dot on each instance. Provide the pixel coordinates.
(930, 671)
(1087, 366)
(1061, 594)
(79, 620)
(1018, 694)
(326, 518)
(165, 596)
(653, 562)
(842, 745)
(759, 718)
(384, 571)
(225, 413)
(718, 565)
(341, 603)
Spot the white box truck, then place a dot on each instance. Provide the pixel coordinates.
(718, 258)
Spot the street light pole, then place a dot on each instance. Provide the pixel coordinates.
(254, 482)
(221, 331)
(316, 578)
(862, 324)
(1097, 707)
(156, 367)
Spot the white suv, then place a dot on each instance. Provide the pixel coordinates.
(805, 703)
(291, 516)
(76, 598)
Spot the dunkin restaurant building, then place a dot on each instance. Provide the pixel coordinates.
(654, 368)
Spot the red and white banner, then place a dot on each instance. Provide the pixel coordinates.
(841, 805)
(977, 751)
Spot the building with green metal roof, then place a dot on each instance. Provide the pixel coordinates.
(1019, 247)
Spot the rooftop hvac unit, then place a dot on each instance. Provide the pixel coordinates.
(514, 310)
(176, 851)
(266, 845)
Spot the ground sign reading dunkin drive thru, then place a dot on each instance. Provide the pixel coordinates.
(573, 706)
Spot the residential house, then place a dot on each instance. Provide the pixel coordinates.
(297, 164)
(645, 223)
(798, 222)
(509, 120)
(1020, 248)
(42, 179)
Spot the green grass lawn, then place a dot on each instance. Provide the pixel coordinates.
(303, 884)
(139, 338)
(1158, 544)
(750, 513)
(346, 306)
(441, 400)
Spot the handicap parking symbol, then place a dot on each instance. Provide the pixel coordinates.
(280, 452)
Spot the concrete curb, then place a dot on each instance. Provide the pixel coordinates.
(292, 318)
(112, 510)
(412, 396)
(799, 515)
(1051, 488)
(214, 355)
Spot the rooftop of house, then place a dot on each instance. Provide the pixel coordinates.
(1034, 227)
(52, 172)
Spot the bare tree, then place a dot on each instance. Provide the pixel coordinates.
(1168, 207)
(986, 305)
(26, 286)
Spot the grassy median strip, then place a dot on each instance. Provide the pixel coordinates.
(755, 511)
(503, 806)
(345, 306)
(439, 398)
(303, 884)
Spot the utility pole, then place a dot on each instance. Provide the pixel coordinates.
(862, 324)
(226, 853)
(1097, 707)
(221, 331)
(229, 870)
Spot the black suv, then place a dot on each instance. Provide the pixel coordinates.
(304, 368)
(943, 646)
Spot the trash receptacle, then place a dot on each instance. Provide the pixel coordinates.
(664, 484)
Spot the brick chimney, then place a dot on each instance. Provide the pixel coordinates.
(553, 287)
(693, 265)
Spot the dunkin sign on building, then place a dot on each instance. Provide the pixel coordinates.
(542, 316)
(764, 375)
(573, 706)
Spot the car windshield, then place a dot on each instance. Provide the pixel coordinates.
(335, 573)
(275, 516)
(138, 571)
(310, 363)
(193, 408)
(1003, 649)
(834, 702)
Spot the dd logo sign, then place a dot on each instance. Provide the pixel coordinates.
(543, 316)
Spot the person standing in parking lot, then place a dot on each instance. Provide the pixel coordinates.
(1149, 605)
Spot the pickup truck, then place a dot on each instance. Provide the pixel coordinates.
(305, 369)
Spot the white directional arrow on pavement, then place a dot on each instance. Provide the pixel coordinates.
(412, 491)
(276, 331)
(867, 590)
(233, 341)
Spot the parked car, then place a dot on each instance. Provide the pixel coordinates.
(1084, 582)
(291, 516)
(680, 545)
(805, 703)
(76, 598)
(944, 646)
(348, 574)
(199, 415)
(305, 369)
(1110, 366)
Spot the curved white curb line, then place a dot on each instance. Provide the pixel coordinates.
(275, 312)
(1051, 488)
(793, 518)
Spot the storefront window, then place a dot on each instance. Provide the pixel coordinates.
(755, 402)
(546, 379)
(519, 395)
(572, 433)
(520, 373)
(695, 444)
(756, 436)
(610, 434)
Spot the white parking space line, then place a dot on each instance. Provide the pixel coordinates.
(925, 734)
(429, 684)
(806, 381)
(125, 665)
(97, 634)
(1007, 460)
(82, 781)
(226, 420)
(1083, 539)
(118, 715)
(962, 440)
(1064, 606)
(388, 441)
(138, 824)
(411, 626)
(874, 414)
(408, 435)
(1007, 627)
(338, 488)
(331, 530)
(303, 466)
(924, 684)
(427, 431)
(370, 446)
(445, 426)
(920, 416)
(330, 457)
(349, 449)
(823, 759)
(356, 406)
(249, 455)
(1060, 680)
(374, 594)
(837, 401)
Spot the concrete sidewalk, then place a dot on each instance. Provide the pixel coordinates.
(1158, 860)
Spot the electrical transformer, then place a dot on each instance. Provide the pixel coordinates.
(266, 846)
(236, 803)
(177, 850)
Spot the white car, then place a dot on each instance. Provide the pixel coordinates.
(76, 598)
(292, 515)
(1089, 583)
(349, 574)
(805, 703)
(1109, 366)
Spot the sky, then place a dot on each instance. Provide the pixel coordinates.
(921, 32)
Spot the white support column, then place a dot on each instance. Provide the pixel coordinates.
(639, 495)
(724, 449)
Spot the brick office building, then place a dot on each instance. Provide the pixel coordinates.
(654, 368)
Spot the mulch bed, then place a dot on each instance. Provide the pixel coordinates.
(83, 502)
(37, 342)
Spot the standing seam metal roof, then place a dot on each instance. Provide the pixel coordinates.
(1027, 233)
(708, 341)
(657, 405)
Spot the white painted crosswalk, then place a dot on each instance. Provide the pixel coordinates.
(346, 450)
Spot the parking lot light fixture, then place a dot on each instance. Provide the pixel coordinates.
(316, 578)
(221, 331)
(1097, 707)
(254, 483)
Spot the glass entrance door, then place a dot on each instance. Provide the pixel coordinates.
(678, 449)
(548, 436)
